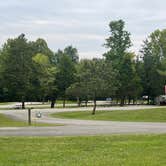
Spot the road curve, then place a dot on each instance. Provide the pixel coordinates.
(79, 127)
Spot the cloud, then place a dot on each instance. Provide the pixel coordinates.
(84, 24)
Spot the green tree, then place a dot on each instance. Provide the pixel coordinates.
(78, 90)
(118, 44)
(46, 74)
(72, 53)
(96, 79)
(40, 46)
(16, 62)
(65, 74)
(154, 55)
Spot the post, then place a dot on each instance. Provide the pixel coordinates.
(29, 116)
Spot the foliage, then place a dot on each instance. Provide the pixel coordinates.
(154, 57)
(16, 62)
(31, 71)
(72, 53)
(46, 75)
(95, 79)
(123, 61)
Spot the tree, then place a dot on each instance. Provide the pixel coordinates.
(46, 74)
(72, 53)
(118, 44)
(154, 55)
(77, 90)
(16, 62)
(129, 80)
(65, 74)
(96, 79)
(162, 70)
(40, 46)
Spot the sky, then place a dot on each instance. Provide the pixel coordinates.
(80, 23)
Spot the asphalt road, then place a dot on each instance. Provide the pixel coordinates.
(73, 127)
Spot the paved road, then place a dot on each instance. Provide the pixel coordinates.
(79, 127)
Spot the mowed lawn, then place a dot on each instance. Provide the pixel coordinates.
(8, 122)
(7, 103)
(136, 150)
(146, 115)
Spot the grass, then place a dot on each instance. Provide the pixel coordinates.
(48, 106)
(146, 115)
(8, 122)
(6, 103)
(3, 109)
(67, 102)
(117, 150)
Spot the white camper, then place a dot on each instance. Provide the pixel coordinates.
(161, 100)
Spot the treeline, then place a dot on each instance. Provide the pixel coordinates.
(31, 71)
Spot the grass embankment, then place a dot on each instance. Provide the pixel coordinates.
(146, 115)
(8, 122)
(116, 150)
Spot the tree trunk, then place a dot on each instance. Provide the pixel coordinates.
(94, 107)
(117, 101)
(152, 101)
(23, 102)
(133, 101)
(78, 102)
(129, 101)
(53, 102)
(64, 102)
(148, 100)
(43, 100)
(122, 101)
(86, 103)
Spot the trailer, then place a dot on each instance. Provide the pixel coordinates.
(160, 100)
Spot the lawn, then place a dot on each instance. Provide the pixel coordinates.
(146, 115)
(67, 102)
(133, 150)
(8, 122)
(7, 103)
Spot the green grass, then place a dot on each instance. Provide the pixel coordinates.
(67, 102)
(48, 106)
(146, 115)
(117, 150)
(3, 109)
(8, 122)
(7, 103)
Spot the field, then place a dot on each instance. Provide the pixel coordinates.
(6, 103)
(146, 115)
(136, 150)
(8, 122)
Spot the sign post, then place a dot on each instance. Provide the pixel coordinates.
(29, 116)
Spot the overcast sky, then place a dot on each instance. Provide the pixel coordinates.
(81, 23)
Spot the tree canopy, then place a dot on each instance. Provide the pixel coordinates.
(31, 71)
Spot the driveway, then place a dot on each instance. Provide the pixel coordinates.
(79, 127)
